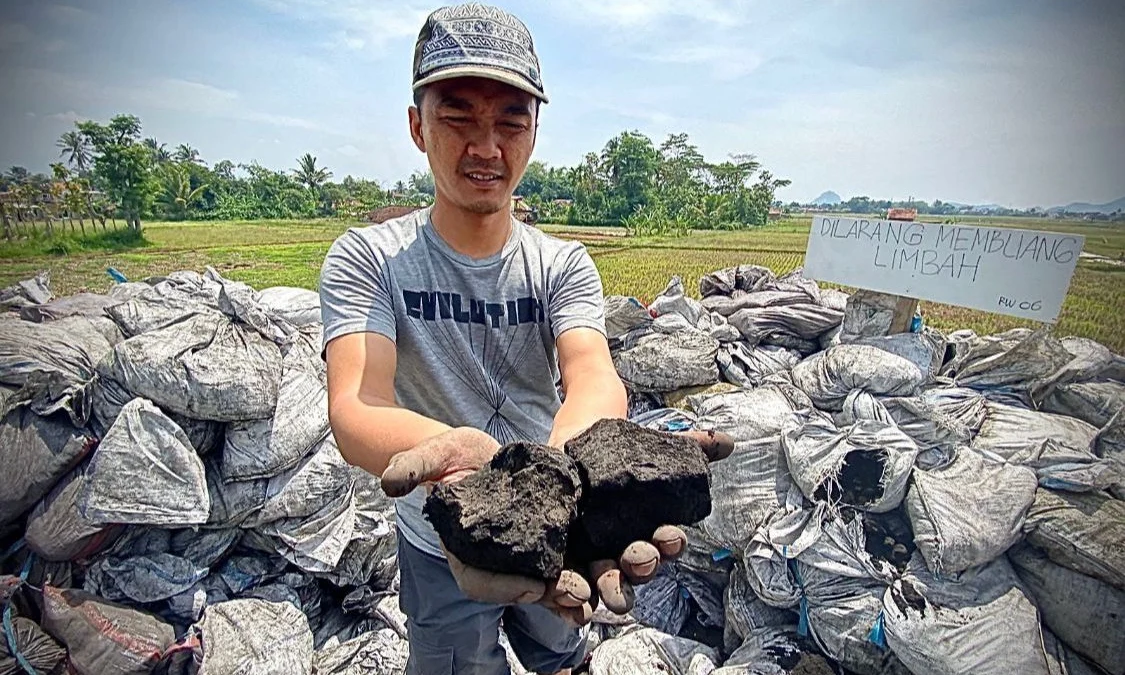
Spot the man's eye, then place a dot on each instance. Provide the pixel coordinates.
(457, 120)
(515, 126)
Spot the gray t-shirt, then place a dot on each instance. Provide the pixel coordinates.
(475, 339)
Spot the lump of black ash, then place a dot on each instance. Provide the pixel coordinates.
(633, 481)
(513, 515)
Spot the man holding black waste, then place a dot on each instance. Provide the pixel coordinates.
(448, 332)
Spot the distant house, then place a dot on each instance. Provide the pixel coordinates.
(902, 214)
(563, 203)
(776, 214)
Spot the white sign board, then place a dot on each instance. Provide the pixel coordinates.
(1023, 273)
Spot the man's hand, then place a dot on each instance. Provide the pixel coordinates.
(576, 593)
(445, 458)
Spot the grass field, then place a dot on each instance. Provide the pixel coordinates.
(269, 253)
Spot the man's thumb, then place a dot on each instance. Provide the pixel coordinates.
(407, 470)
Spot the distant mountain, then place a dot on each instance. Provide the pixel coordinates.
(829, 198)
(1084, 207)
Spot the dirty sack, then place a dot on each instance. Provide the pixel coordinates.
(866, 465)
(939, 418)
(145, 472)
(27, 347)
(253, 636)
(103, 637)
(33, 647)
(979, 621)
(1084, 532)
(750, 484)
(205, 367)
(33, 291)
(298, 306)
(673, 301)
(79, 304)
(263, 448)
(666, 601)
(1092, 402)
(647, 651)
(828, 377)
(968, 512)
(56, 528)
(1085, 613)
(1056, 446)
(1009, 362)
(839, 589)
(666, 362)
(748, 366)
(793, 326)
(775, 651)
(745, 612)
(38, 452)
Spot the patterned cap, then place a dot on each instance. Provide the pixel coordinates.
(477, 40)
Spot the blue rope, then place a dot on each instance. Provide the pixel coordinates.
(9, 629)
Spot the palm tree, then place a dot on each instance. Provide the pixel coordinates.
(18, 175)
(76, 150)
(177, 195)
(186, 153)
(159, 151)
(308, 174)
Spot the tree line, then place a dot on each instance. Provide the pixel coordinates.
(649, 188)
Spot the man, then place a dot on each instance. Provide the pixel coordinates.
(445, 334)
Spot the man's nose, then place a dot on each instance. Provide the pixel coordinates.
(485, 143)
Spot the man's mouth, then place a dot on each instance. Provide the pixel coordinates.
(484, 178)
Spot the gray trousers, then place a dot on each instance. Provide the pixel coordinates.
(451, 634)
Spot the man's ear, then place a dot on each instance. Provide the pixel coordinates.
(415, 117)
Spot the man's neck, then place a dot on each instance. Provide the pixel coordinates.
(471, 234)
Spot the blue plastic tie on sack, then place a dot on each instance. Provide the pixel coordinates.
(684, 594)
(116, 276)
(721, 554)
(677, 425)
(916, 324)
(878, 634)
(9, 629)
(803, 623)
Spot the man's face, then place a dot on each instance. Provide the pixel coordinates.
(478, 135)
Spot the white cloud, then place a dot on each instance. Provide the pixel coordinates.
(69, 117)
(349, 150)
(369, 25)
(29, 115)
(646, 13)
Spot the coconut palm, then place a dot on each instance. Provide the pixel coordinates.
(177, 194)
(76, 150)
(308, 174)
(159, 151)
(186, 153)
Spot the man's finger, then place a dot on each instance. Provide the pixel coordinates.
(639, 562)
(493, 587)
(407, 470)
(569, 590)
(716, 444)
(613, 588)
(670, 541)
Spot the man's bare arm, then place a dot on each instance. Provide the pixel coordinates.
(592, 388)
(368, 424)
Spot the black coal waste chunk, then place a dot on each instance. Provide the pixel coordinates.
(633, 481)
(512, 515)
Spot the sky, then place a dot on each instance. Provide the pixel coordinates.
(1019, 103)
